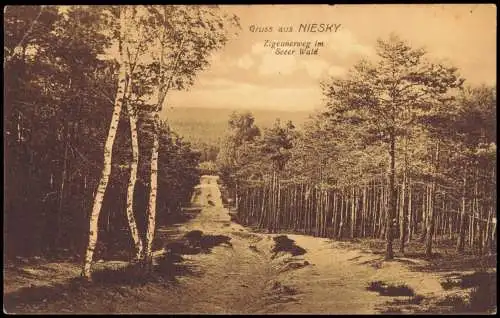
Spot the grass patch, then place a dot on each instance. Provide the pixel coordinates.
(170, 267)
(206, 242)
(182, 248)
(477, 279)
(107, 285)
(456, 303)
(246, 235)
(131, 275)
(413, 300)
(194, 235)
(166, 269)
(483, 298)
(392, 310)
(386, 289)
(69, 294)
(416, 300)
(450, 283)
(445, 257)
(34, 294)
(284, 244)
(195, 242)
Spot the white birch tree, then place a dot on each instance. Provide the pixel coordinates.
(189, 34)
(108, 149)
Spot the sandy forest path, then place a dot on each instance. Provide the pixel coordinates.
(248, 277)
(242, 275)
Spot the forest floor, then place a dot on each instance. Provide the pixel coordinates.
(210, 264)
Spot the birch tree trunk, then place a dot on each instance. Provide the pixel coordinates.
(151, 224)
(108, 150)
(132, 181)
(151, 212)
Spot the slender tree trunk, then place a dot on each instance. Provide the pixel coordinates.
(108, 149)
(163, 89)
(382, 207)
(19, 128)
(236, 196)
(151, 224)
(364, 216)
(293, 219)
(353, 212)
(61, 190)
(486, 236)
(492, 245)
(410, 212)
(392, 201)
(263, 206)
(432, 216)
(425, 213)
(375, 212)
(278, 202)
(341, 223)
(402, 215)
(132, 181)
(461, 225)
(475, 210)
(335, 213)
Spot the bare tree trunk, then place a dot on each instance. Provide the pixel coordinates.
(461, 226)
(492, 217)
(425, 213)
(364, 213)
(276, 204)
(132, 181)
(163, 89)
(486, 236)
(335, 213)
(341, 222)
(151, 224)
(236, 196)
(108, 149)
(263, 206)
(432, 216)
(382, 203)
(475, 210)
(61, 190)
(410, 212)
(402, 215)
(392, 201)
(353, 212)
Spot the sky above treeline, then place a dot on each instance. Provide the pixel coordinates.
(246, 74)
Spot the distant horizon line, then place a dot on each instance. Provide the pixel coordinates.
(241, 108)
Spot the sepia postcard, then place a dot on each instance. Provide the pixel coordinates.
(250, 159)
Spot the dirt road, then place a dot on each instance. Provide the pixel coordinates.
(245, 276)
